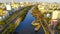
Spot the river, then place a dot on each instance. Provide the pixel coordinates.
(25, 26)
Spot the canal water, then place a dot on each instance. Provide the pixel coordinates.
(25, 26)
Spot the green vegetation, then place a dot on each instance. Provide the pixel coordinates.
(2, 23)
(11, 28)
(11, 17)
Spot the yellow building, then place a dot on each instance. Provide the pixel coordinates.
(1, 11)
(42, 8)
(15, 5)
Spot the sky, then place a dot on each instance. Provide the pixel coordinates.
(50, 1)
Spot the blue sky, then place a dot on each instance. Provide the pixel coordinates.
(58, 1)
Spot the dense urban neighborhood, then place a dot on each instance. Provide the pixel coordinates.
(30, 18)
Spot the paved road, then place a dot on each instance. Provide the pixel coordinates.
(11, 21)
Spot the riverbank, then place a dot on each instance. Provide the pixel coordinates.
(26, 27)
(13, 25)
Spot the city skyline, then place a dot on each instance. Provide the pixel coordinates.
(49, 1)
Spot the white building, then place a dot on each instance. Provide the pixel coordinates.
(56, 14)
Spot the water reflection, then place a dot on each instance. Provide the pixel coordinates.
(28, 19)
(25, 26)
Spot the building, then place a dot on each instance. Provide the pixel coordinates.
(56, 14)
(3, 14)
(42, 8)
